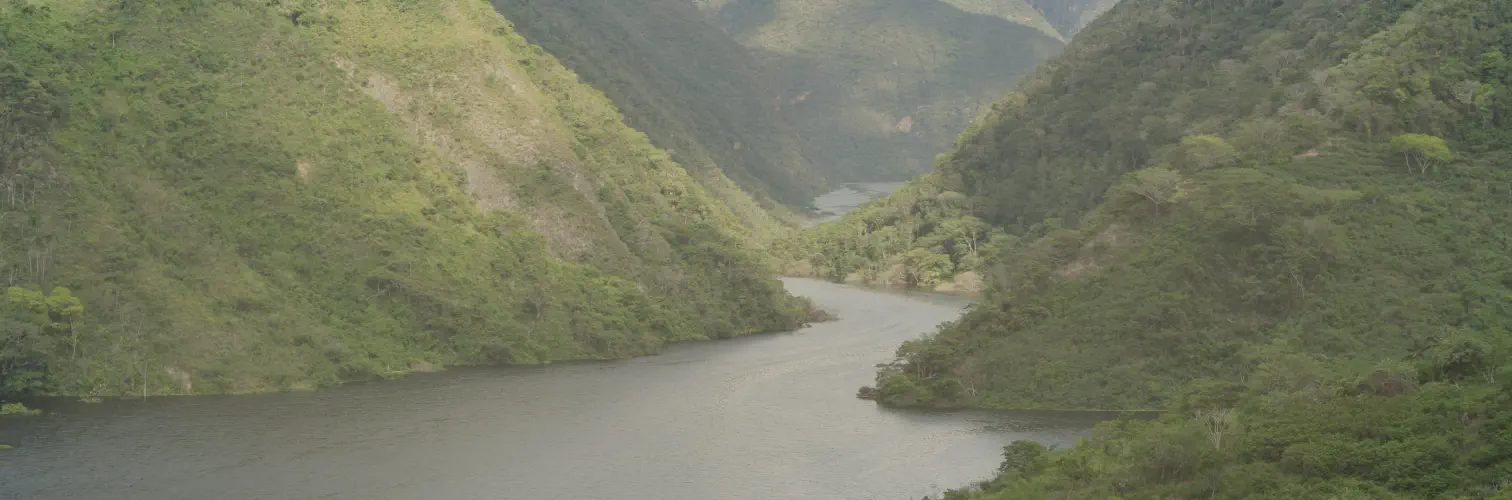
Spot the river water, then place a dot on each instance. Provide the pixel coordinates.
(762, 417)
(830, 206)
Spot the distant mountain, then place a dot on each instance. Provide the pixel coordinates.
(879, 87)
(1015, 11)
(1070, 16)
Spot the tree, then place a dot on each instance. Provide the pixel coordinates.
(1217, 422)
(24, 350)
(962, 235)
(1024, 459)
(27, 108)
(1201, 152)
(1422, 151)
(31, 325)
(925, 269)
(1493, 65)
(1159, 185)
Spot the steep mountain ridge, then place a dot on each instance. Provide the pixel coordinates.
(690, 87)
(276, 195)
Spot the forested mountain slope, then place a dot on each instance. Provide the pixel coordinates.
(247, 195)
(1138, 89)
(1284, 222)
(690, 87)
(1309, 203)
(879, 87)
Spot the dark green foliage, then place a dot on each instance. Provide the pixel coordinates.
(690, 87)
(245, 203)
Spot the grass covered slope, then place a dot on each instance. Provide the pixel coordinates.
(250, 195)
(879, 87)
(691, 88)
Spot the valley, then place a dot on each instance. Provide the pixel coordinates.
(467, 248)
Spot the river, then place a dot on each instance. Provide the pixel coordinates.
(761, 417)
(830, 206)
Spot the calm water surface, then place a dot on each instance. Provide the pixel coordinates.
(836, 203)
(765, 417)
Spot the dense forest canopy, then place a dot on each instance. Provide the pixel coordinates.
(230, 196)
(1283, 222)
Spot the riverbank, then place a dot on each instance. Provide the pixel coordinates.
(768, 416)
(967, 288)
(178, 381)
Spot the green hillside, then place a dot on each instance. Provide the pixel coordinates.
(1285, 223)
(243, 195)
(691, 88)
(1288, 205)
(879, 87)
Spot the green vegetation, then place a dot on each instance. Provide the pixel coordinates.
(1285, 223)
(879, 87)
(1181, 276)
(38, 329)
(1422, 151)
(16, 409)
(687, 85)
(921, 236)
(249, 195)
(1440, 440)
(1288, 221)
